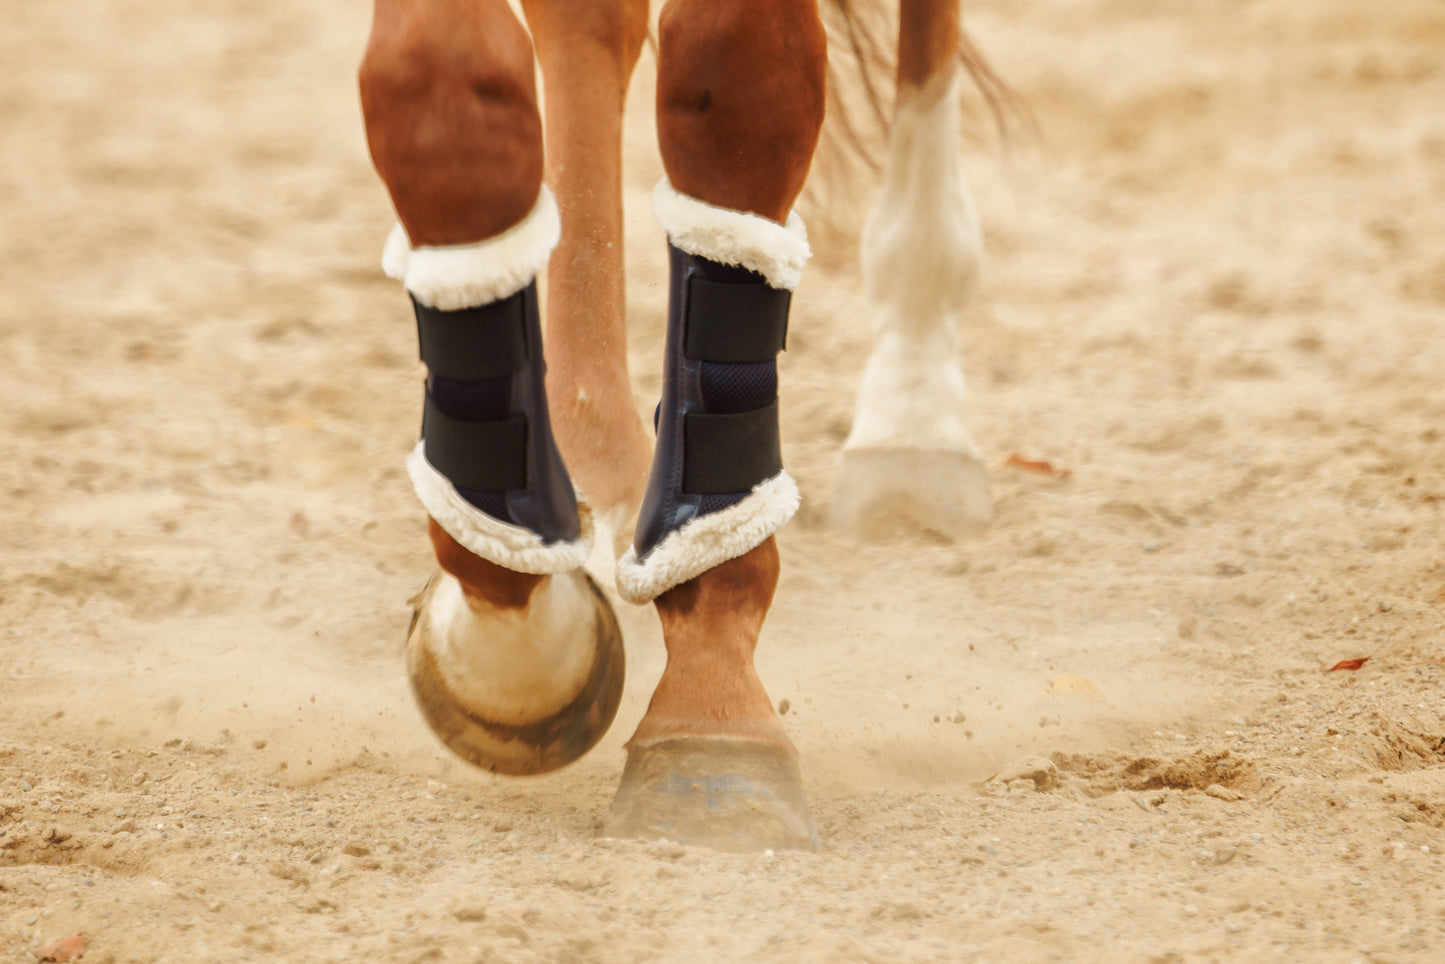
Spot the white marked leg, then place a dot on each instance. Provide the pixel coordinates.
(910, 457)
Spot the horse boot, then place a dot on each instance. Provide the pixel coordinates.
(714, 767)
(524, 674)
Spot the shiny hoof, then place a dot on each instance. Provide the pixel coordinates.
(724, 793)
(517, 692)
(884, 493)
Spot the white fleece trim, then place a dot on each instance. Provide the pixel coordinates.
(708, 541)
(509, 546)
(775, 251)
(468, 275)
(396, 253)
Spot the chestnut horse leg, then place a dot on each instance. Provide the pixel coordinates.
(739, 109)
(514, 655)
(910, 456)
(587, 50)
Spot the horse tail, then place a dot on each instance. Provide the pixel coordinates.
(863, 39)
(866, 33)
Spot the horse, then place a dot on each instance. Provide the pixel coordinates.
(514, 652)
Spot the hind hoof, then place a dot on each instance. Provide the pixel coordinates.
(885, 492)
(517, 691)
(724, 793)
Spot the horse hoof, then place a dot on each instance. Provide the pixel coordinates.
(724, 793)
(884, 491)
(517, 691)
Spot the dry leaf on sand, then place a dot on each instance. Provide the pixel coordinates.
(65, 949)
(1037, 467)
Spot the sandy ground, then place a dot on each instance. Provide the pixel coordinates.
(1215, 292)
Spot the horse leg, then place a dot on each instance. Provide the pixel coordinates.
(587, 50)
(739, 107)
(909, 456)
(514, 655)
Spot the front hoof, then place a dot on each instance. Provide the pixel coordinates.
(725, 793)
(517, 691)
(884, 492)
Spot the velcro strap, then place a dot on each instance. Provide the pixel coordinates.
(487, 456)
(474, 343)
(730, 453)
(738, 324)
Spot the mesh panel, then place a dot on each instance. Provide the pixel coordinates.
(728, 389)
(493, 504)
(712, 503)
(471, 401)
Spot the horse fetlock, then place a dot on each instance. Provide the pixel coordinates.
(923, 265)
(910, 463)
(911, 397)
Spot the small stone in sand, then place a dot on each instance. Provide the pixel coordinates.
(1220, 792)
(1035, 769)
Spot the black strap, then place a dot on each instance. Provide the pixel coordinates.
(474, 343)
(737, 324)
(487, 456)
(730, 453)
